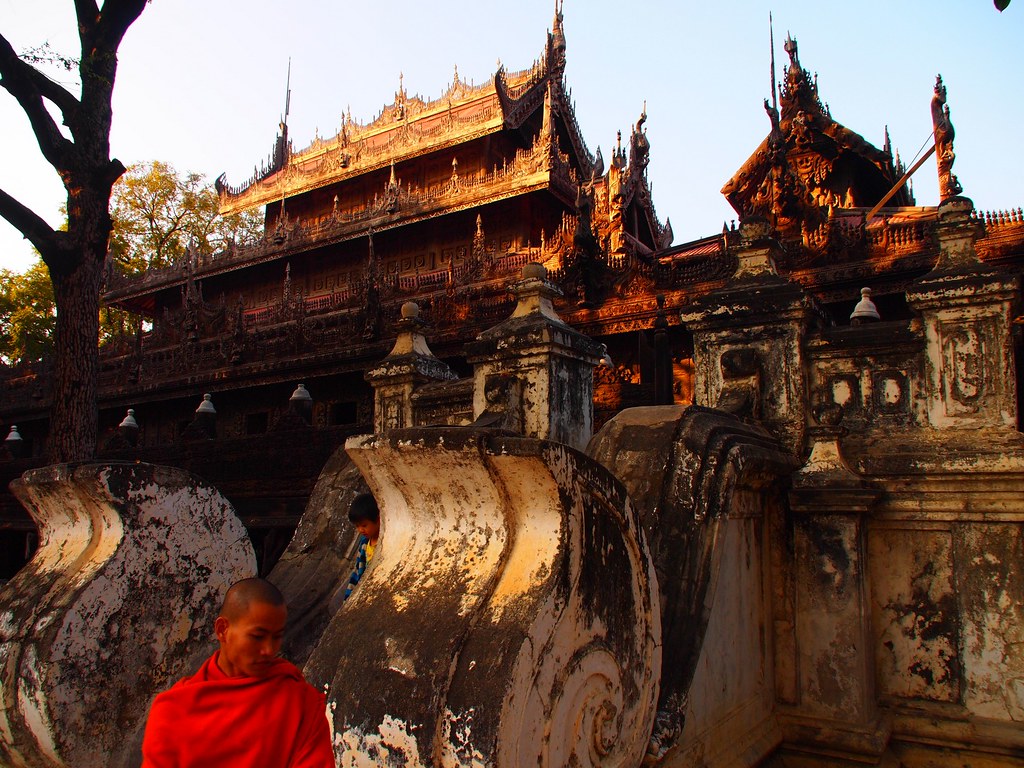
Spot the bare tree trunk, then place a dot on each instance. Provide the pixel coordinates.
(73, 417)
(75, 257)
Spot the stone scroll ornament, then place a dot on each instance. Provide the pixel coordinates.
(682, 466)
(508, 618)
(117, 603)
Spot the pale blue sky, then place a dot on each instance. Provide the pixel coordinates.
(201, 83)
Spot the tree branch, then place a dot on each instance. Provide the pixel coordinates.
(48, 89)
(110, 24)
(87, 14)
(23, 82)
(26, 221)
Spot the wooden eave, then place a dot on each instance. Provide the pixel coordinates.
(752, 168)
(522, 97)
(753, 172)
(584, 158)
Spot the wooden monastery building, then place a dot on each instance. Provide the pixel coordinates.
(443, 203)
(831, 532)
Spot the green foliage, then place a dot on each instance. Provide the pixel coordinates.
(158, 213)
(28, 315)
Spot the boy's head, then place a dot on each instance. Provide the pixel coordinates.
(365, 516)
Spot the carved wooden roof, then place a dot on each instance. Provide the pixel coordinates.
(810, 163)
(410, 127)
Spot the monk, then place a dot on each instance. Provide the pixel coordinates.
(245, 707)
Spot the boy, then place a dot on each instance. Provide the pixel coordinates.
(365, 516)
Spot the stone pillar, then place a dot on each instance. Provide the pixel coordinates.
(759, 321)
(409, 364)
(968, 311)
(535, 370)
(834, 664)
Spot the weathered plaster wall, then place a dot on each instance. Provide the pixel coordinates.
(918, 627)
(702, 481)
(730, 712)
(947, 599)
(118, 603)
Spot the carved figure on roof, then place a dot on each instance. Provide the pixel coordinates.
(400, 98)
(776, 141)
(949, 186)
(479, 241)
(618, 154)
(616, 184)
(598, 170)
(586, 269)
(665, 234)
(391, 193)
(455, 174)
(640, 147)
(800, 130)
(557, 40)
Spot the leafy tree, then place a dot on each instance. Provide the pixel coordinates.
(78, 148)
(27, 315)
(158, 213)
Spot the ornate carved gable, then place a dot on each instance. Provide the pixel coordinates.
(810, 163)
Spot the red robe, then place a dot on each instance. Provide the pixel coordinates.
(212, 720)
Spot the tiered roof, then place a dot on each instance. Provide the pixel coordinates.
(410, 127)
(809, 164)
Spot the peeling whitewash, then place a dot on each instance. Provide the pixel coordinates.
(119, 603)
(528, 598)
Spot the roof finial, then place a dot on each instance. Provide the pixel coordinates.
(771, 46)
(791, 49)
(287, 93)
(556, 39)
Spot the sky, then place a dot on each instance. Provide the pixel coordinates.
(201, 84)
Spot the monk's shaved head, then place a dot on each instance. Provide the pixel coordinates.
(244, 593)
